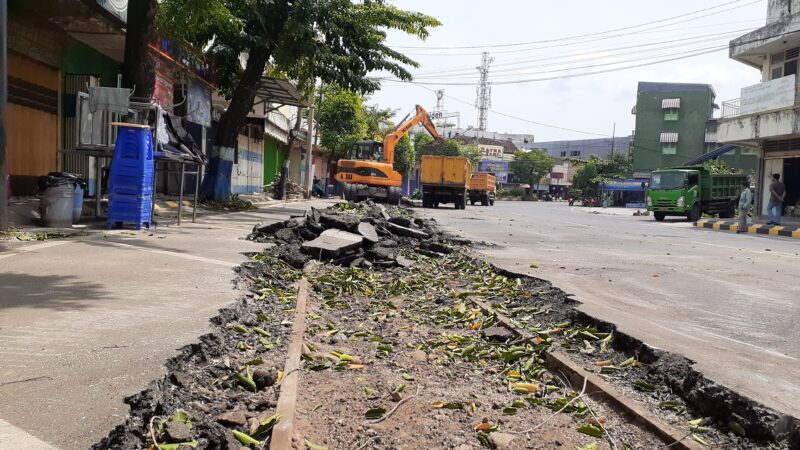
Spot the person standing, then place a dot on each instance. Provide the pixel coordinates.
(745, 202)
(777, 192)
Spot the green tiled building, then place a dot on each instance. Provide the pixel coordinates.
(674, 124)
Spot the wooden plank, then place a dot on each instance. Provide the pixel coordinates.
(287, 401)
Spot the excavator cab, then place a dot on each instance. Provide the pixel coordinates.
(368, 151)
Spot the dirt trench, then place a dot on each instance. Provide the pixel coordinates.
(398, 356)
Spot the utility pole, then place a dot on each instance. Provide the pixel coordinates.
(3, 100)
(613, 138)
(310, 153)
(484, 100)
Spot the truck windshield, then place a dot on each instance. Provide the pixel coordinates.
(667, 180)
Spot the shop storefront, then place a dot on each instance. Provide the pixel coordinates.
(624, 193)
(782, 158)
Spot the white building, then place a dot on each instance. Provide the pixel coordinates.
(767, 115)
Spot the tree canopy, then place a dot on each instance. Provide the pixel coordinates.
(404, 155)
(597, 170)
(341, 119)
(530, 167)
(336, 41)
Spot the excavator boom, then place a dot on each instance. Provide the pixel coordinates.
(390, 141)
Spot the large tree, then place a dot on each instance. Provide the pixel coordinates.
(336, 41)
(404, 155)
(530, 167)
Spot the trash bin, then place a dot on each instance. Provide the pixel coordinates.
(57, 198)
(77, 203)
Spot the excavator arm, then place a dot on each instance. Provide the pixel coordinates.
(390, 141)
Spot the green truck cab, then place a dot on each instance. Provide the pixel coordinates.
(692, 191)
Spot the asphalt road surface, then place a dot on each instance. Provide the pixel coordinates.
(729, 302)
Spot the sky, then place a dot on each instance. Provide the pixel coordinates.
(589, 106)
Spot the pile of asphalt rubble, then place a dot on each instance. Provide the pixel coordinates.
(230, 379)
(366, 235)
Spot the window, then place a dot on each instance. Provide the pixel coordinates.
(563, 153)
(671, 114)
(694, 179)
(575, 153)
(749, 151)
(784, 64)
(669, 148)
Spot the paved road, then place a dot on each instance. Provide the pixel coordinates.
(730, 302)
(86, 322)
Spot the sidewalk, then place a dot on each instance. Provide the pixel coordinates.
(786, 230)
(88, 320)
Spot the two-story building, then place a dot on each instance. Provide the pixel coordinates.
(767, 115)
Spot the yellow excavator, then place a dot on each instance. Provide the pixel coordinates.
(370, 174)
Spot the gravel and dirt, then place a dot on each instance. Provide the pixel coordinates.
(398, 356)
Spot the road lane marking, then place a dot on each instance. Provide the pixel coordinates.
(34, 247)
(172, 253)
(765, 350)
(789, 255)
(13, 438)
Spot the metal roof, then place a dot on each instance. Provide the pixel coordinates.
(702, 159)
(668, 138)
(670, 103)
(279, 91)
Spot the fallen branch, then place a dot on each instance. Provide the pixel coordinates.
(419, 386)
(530, 430)
(367, 442)
(153, 434)
(600, 424)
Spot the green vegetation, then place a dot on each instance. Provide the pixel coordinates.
(530, 167)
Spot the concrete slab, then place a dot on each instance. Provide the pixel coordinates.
(333, 242)
(368, 231)
(89, 321)
(407, 232)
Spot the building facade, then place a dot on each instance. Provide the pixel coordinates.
(585, 148)
(767, 115)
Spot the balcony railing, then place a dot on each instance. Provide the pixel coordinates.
(731, 108)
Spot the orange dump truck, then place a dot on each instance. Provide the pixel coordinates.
(445, 179)
(483, 188)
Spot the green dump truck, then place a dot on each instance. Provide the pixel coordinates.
(692, 191)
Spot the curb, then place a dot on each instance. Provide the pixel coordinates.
(792, 231)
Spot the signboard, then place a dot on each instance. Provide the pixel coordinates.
(498, 168)
(199, 103)
(768, 96)
(624, 185)
(491, 151)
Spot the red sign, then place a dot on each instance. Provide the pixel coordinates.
(557, 175)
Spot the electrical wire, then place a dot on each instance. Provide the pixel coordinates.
(515, 117)
(687, 41)
(632, 44)
(602, 35)
(525, 70)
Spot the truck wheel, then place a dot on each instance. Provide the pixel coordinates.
(464, 202)
(695, 214)
(728, 213)
(485, 200)
(491, 201)
(659, 216)
(347, 192)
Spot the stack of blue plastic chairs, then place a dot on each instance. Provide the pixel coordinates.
(130, 185)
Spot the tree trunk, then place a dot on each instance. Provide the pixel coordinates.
(137, 69)
(286, 154)
(217, 183)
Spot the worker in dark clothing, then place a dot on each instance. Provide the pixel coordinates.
(777, 192)
(316, 188)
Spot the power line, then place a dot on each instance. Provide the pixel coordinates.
(515, 71)
(639, 43)
(509, 115)
(697, 38)
(595, 36)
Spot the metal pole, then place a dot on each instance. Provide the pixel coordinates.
(613, 138)
(180, 194)
(310, 153)
(3, 99)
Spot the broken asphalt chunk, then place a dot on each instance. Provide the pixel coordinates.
(333, 243)
(407, 232)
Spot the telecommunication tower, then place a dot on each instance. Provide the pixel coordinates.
(484, 100)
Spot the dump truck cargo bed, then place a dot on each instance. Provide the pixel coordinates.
(445, 179)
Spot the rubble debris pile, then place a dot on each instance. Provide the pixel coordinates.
(352, 234)
(293, 190)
